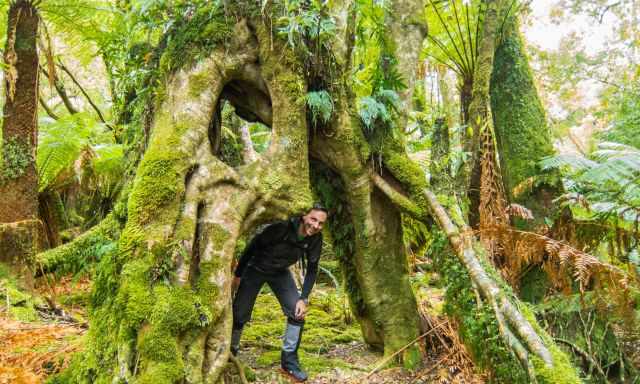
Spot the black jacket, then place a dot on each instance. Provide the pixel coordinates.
(278, 247)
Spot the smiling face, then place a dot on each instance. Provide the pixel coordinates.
(312, 222)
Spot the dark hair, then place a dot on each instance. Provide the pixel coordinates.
(318, 207)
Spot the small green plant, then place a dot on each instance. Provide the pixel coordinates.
(305, 23)
(16, 157)
(320, 105)
(379, 107)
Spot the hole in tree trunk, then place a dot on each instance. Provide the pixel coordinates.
(240, 131)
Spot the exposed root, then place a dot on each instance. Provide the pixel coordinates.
(238, 365)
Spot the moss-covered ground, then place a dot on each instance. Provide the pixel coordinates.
(36, 342)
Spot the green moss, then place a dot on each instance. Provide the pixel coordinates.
(563, 371)
(160, 373)
(158, 344)
(324, 326)
(157, 184)
(19, 242)
(83, 251)
(16, 157)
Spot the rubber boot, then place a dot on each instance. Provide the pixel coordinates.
(235, 340)
(289, 356)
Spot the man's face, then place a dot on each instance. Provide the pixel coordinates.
(313, 221)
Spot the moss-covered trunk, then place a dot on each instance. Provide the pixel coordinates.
(160, 307)
(381, 294)
(521, 128)
(18, 178)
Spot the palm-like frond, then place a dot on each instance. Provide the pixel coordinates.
(575, 162)
(66, 142)
(608, 182)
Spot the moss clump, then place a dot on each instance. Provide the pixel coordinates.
(157, 184)
(85, 250)
(21, 304)
(16, 157)
(562, 372)
(20, 241)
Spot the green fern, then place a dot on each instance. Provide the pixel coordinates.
(320, 105)
(61, 144)
(608, 183)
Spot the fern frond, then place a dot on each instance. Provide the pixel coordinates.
(575, 162)
(320, 105)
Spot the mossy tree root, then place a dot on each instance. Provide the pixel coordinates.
(77, 254)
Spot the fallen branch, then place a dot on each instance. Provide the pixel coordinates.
(86, 95)
(386, 360)
(585, 355)
(235, 361)
(463, 242)
(487, 286)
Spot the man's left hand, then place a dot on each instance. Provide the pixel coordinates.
(301, 309)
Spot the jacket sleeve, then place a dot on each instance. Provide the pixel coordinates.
(271, 234)
(313, 259)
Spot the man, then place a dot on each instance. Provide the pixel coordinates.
(267, 260)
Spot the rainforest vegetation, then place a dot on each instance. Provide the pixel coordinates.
(484, 192)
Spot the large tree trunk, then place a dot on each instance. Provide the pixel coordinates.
(18, 178)
(161, 308)
(23, 235)
(381, 295)
(521, 128)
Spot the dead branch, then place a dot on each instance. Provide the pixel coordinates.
(46, 108)
(86, 95)
(62, 92)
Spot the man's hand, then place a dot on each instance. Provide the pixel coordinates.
(301, 309)
(235, 283)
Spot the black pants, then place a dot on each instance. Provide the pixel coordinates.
(282, 285)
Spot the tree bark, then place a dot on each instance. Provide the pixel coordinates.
(522, 132)
(167, 289)
(479, 108)
(19, 180)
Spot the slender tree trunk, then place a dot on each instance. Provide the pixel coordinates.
(439, 168)
(18, 178)
(479, 108)
(409, 30)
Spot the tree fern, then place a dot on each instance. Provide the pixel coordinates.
(62, 142)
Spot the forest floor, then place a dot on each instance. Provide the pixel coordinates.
(37, 341)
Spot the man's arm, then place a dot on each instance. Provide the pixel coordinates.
(313, 259)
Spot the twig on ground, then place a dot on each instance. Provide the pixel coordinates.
(396, 353)
(235, 361)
